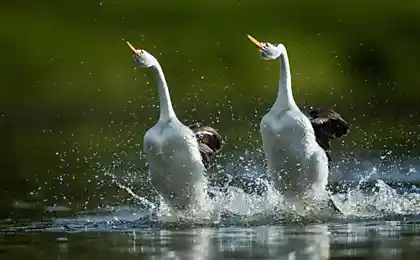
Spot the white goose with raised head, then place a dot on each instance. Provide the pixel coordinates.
(297, 164)
(172, 150)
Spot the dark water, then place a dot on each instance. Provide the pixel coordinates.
(375, 239)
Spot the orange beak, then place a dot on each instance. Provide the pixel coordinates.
(257, 43)
(132, 47)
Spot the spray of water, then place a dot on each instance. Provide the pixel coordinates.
(232, 205)
(253, 202)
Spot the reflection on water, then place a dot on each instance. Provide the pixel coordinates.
(311, 242)
(357, 240)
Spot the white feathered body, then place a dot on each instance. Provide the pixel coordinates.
(297, 165)
(175, 166)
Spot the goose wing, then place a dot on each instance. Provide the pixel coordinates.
(329, 122)
(209, 140)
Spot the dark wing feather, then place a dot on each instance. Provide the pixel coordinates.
(206, 154)
(328, 125)
(329, 121)
(209, 140)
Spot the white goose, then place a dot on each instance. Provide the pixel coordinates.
(297, 165)
(172, 150)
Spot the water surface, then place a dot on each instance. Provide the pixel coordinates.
(374, 239)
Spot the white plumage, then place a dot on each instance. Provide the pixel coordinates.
(175, 167)
(297, 165)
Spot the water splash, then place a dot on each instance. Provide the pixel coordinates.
(254, 203)
(232, 204)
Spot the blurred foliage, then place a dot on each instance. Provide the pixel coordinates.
(70, 98)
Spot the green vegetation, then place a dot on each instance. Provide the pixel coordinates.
(69, 93)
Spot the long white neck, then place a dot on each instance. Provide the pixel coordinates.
(284, 99)
(166, 110)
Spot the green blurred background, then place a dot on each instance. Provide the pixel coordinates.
(72, 103)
